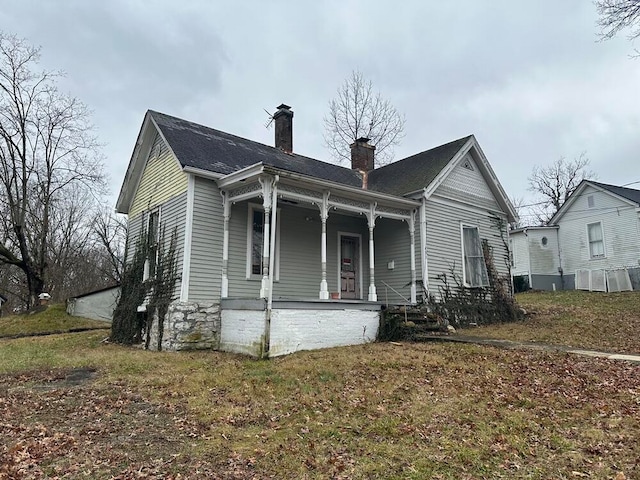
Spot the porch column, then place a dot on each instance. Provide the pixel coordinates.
(423, 246)
(412, 235)
(324, 215)
(371, 217)
(267, 187)
(226, 205)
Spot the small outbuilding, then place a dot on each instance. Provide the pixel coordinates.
(98, 305)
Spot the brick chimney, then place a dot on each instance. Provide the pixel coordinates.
(283, 119)
(362, 155)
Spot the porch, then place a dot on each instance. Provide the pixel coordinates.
(306, 242)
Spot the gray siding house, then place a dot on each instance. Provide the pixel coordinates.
(591, 243)
(279, 252)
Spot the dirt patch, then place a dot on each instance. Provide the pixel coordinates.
(64, 423)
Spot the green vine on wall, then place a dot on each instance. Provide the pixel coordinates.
(130, 326)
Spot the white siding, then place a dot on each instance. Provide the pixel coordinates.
(468, 185)
(393, 244)
(544, 259)
(444, 239)
(520, 253)
(620, 228)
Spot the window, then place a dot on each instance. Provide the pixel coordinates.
(153, 230)
(596, 240)
(590, 201)
(474, 270)
(544, 241)
(255, 243)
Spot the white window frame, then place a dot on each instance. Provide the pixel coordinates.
(251, 207)
(589, 242)
(146, 274)
(463, 226)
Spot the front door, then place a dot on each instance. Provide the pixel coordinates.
(349, 261)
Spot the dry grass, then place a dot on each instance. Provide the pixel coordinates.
(415, 411)
(52, 319)
(591, 320)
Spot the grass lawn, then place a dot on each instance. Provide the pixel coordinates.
(72, 406)
(592, 320)
(53, 319)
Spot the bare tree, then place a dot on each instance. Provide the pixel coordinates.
(555, 183)
(111, 232)
(357, 112)
(617, 15)
(46, 148)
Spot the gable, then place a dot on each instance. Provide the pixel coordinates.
(592, 199)
(162, 178)
(466, 183)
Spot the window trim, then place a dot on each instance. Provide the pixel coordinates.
(251, 207)
(462, 251)
(604, 245)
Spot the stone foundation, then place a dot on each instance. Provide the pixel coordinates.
(188, 326)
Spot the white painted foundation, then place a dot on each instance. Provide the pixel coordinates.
(293, 330)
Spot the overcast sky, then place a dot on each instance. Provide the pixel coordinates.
(529, 79)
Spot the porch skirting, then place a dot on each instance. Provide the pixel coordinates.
(295, 325)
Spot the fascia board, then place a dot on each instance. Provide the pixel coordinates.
(352, 192)
(134, 169)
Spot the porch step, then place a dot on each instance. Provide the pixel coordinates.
(415, 320)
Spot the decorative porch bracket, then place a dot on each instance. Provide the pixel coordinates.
(324, 215)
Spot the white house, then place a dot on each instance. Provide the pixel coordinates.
(591, 243)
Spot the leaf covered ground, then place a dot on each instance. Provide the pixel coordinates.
(608, 322)
(74, 407)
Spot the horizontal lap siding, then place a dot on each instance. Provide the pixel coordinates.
(206, 242)
(444, 242)
(520, 253)
(300, 256)
(620, 228)
(161, 180)
(172, 219)
(299, 252)
(393, 243)
(468, 185)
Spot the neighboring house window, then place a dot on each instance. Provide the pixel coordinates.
(475, 270)
(590, 201)
(153, 230)
(255, 243)
(596, 240)
(544, 241)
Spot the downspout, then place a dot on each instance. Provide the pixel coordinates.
(272, 256)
